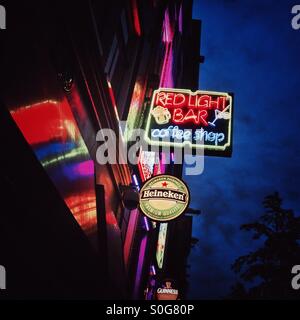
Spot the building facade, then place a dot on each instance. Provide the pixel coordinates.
(70, 71)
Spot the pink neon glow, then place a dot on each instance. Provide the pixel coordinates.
(163, 163)
(172, 157)
(168, 32)
(166, 79)
(85, 168)
(140, 266)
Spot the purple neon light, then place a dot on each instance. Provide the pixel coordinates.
(135, 180)
(172, 157)
(134, 214)
(140, 266)
(180, 20)
(166, 79)
(163, 163)
(146, 224)
(168, 33)
(153, 270)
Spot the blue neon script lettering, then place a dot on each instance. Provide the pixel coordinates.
(200, 135)
(171, 132)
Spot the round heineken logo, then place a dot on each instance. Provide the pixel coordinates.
(164, 198)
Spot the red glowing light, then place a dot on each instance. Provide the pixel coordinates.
(32, 119)
(136, 19)
(141, 171)
(111, 94)
(83, 207)
(202, 119)
(197, 117)
(52, 124)
(188, 107)
(189, 100)
(111, 219)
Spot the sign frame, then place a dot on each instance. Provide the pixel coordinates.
(210, 150)
(187, 203)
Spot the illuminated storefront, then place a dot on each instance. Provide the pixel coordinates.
(174, 61)
(87, 68)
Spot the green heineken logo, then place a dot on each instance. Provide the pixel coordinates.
(164, 198)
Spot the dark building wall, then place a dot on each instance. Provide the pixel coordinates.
(45, 252)
(58, 43)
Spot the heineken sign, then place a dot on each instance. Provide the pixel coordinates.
(164, 198)
(202, 119)
(162, 194)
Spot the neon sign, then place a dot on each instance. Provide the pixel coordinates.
(161, 243)
(202, 119)
(146, 164)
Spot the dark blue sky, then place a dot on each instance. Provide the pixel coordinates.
(250, 49)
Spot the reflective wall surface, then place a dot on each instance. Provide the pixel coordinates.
(51, 130)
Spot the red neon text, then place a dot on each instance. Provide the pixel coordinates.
(180, 100)
(192, 115)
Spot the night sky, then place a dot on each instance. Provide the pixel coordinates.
(250, 49)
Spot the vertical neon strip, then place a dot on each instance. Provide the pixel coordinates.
(172, 157)
(168, 33)
(163, 163)
(136, 19)
(146, 224)
(153, 270)
(180, 20)
(160, 252)
(135, 180)
(111, 93)
(130, 235)
(140, 266)
(141, 171)
(113, 100)
(166, 79)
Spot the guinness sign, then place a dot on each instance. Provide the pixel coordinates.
(167, 291)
